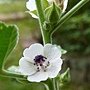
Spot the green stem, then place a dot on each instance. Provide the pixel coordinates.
(45, 35)
(5, 73)
(40, 13)
(54, 84)
(57, 84)
(70, 13)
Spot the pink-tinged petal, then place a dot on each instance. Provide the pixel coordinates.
(26, 67)
(55, 68)
(51, 52)
(37, 77)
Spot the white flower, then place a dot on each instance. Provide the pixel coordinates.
(31, 5)
(40, 62)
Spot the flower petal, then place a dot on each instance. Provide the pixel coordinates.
(14, 69)
(51, 52)
(33, 15)
(37, 77)
(26, 68)
(31, 5)
(65, 5)
(55, 68)
(33, 50)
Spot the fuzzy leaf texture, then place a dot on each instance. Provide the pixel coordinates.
(8, 40)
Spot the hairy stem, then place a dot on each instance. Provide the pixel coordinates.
(45, 35)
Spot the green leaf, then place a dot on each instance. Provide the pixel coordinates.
(65, 78)
(45, 4)
(52, 13)
(47, 26)
(62, 50)
(8, 40)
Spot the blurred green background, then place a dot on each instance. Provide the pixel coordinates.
(73, 36)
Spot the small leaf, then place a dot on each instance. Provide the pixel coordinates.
(47, 26)
(65, 77)
(62, 50)
(8, 40)
(45, 4)
(52, 13)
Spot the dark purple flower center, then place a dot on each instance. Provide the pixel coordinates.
(39, 62)
(39, 59)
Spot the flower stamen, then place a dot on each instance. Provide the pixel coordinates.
(39, 62)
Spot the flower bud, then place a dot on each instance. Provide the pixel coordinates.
(61, 3)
